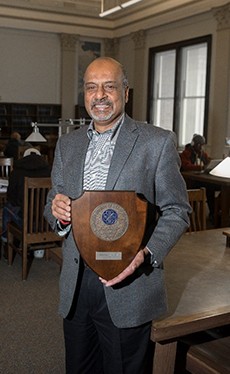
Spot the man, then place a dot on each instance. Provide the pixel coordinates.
(193, 156)
(107, 322)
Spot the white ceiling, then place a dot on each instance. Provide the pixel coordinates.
(92, 8)
(89, 8)
(85, 13)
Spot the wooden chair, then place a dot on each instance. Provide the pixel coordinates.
(227, 234)
(35, 233)
(6, 166)
(197, 200)
(211, 357)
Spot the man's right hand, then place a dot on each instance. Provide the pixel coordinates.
(61, 208)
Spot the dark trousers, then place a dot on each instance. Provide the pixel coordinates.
(93, 344)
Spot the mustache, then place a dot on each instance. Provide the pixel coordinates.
(101, 101)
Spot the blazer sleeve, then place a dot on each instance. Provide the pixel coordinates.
(172, 199)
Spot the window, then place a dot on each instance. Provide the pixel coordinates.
(179, 86)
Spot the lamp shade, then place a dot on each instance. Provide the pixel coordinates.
(35, 136)
(222, 169)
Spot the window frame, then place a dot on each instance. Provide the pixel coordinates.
(177, 46)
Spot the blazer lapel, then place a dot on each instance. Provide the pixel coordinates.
(124, 145)
(80, 143)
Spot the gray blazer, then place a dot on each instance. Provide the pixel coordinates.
(146, 160)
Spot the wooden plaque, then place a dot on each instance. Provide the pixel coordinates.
(108, 227)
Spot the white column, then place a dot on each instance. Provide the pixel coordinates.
(111, 47)
(139, 107)
(69, 79)
(221, 103)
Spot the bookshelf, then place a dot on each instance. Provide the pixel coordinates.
(18, 117)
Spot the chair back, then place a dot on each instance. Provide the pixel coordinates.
(36, 232)
(36, 229)
(6, 166)
(197, 200)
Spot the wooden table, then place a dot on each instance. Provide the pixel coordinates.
(198, 283)
(222, 183)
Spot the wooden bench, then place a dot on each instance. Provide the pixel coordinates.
(211, 357)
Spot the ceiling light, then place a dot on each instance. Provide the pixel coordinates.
(114, 9)
(109, 11)
(130, 2)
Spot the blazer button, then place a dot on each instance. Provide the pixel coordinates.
(76, 260)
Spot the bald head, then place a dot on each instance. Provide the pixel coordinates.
(106, 92)
(109, 61)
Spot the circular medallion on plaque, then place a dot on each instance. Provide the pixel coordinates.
(109, 221)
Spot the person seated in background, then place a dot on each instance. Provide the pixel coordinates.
(15, 141)
(31, 165)
(193, 156)
(11, 149)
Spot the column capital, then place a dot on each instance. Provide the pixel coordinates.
(68, 41)
(222, 16)
(139, 39)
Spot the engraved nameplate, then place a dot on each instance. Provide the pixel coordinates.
(108, 256)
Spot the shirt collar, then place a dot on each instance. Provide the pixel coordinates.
(91, 131)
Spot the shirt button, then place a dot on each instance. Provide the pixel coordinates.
(76, 260)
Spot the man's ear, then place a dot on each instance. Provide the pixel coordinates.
(126, 94)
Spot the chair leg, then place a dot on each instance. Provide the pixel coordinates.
(47, 255)
(10, 248)
(24, 261)
(3, 250)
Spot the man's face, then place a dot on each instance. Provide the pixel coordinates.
(105, 94)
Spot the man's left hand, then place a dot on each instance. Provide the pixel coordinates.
(136, 262)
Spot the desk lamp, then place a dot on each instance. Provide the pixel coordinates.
(35, 136)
